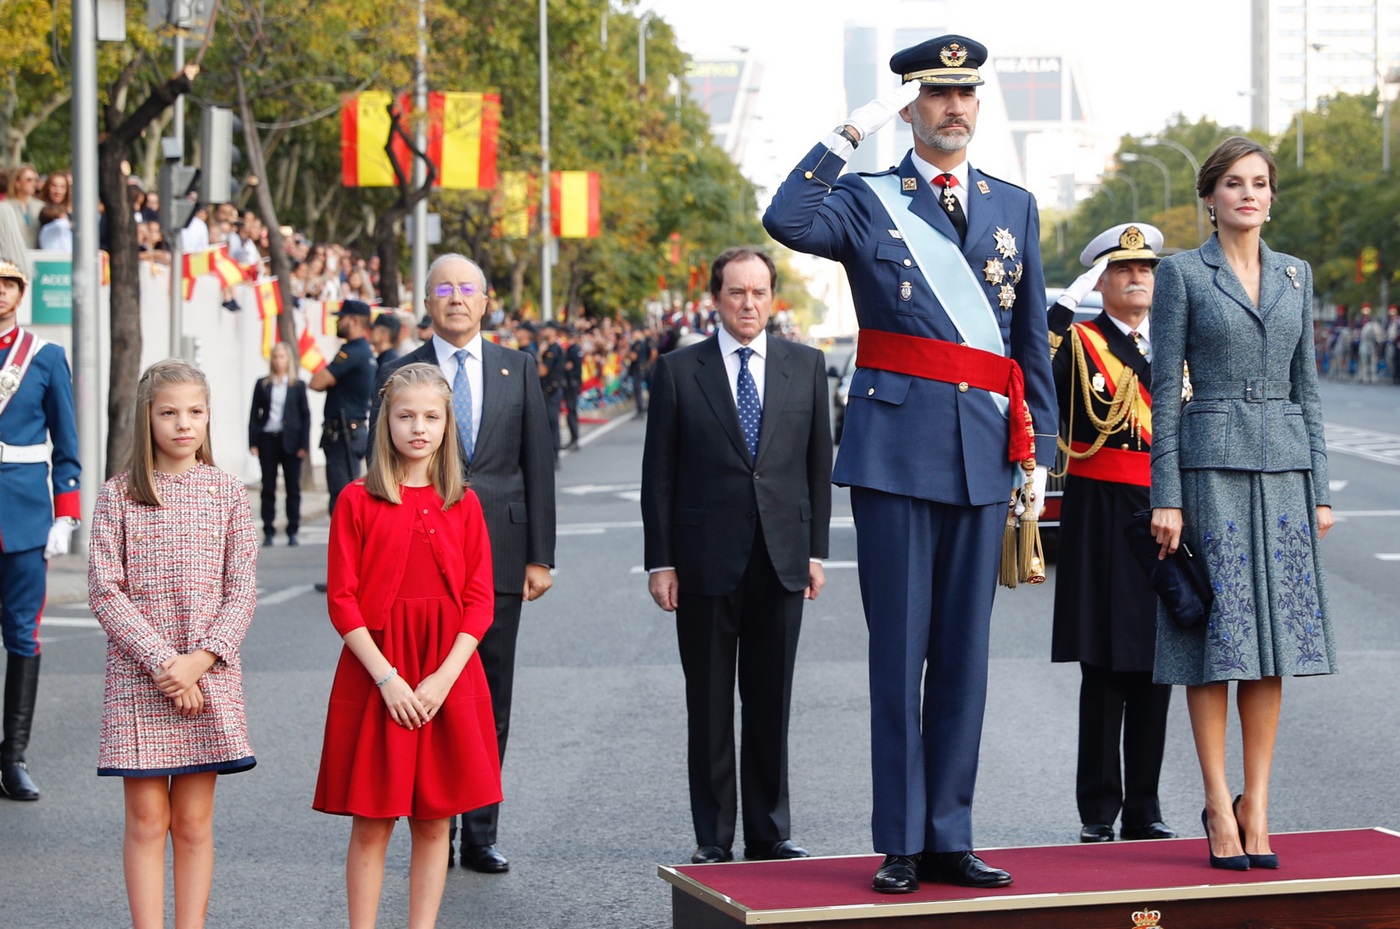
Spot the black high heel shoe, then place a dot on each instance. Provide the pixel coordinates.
(1228, 863)
(1269, 861)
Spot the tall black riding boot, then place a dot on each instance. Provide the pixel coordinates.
(21, 688)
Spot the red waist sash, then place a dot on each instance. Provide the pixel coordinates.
(1122, 466)
(951, 363)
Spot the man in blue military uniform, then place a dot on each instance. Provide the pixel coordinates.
(41, 507)
(349, 384)
(952, 385)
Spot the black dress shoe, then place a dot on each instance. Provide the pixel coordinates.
(778, 851)
(898, 874)
(962, 868)
(267, 539)
(711, 854)
(484, 858)
(292, 539)
(1098, 832)
(16, 783)
(320, 586)
(1157, 830)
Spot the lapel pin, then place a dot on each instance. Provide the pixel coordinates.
(910, 183)
(983, 188)
(1292, 273)
(505, 372)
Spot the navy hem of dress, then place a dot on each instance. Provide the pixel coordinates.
(218, 767)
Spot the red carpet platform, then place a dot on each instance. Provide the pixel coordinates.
(1343, 878)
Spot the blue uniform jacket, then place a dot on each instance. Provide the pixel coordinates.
(909, 435)
(40, 411)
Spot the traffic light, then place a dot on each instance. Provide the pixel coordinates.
(174, 183)
(215, 155)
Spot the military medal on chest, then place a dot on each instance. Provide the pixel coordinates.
(9, 381)
(950, 202)
(1006, 242)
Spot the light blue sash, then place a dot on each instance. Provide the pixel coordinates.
(946, 271)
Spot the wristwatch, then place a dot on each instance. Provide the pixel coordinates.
(849, 136)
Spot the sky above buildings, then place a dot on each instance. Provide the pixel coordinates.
(1140, 67)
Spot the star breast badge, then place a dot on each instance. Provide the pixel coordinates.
(994, 271)
(1006, 296)
(9, 381)
(1006, 242)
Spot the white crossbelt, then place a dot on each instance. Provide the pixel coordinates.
(24, 454)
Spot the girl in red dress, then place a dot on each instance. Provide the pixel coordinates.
(409, 731)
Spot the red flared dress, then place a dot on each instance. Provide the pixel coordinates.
(370, 765)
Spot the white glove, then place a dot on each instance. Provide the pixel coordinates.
(873, 115)
(60, 536)
(1075, 293)
(1038, 481)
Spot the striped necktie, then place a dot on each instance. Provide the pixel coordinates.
(462, 402)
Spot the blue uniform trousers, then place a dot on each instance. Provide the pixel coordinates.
(928, 573)
(23, 589)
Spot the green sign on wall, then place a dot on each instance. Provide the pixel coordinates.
(52, 300)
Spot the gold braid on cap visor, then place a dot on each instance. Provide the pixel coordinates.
(11, 270)
(953, 76)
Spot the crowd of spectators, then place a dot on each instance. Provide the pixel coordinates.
(1365, 348)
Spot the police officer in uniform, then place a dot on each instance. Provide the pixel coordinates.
(1105, 609)
(944, 265)
(40, 506)
(349, 384)
(553, 378)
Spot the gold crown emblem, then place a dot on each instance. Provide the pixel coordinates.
(1147, 919)
(11, 270)
(1132, 238)
(953, 55)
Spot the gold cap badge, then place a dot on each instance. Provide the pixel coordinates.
(953, 55)
(1132, 238)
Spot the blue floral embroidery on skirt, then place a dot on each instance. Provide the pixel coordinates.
(1298, 604)
(1231, 617)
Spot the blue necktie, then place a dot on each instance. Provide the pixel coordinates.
(750, 412)
(462, 402)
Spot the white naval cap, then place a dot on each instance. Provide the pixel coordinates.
(1125, 242)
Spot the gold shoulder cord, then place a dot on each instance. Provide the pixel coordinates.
(1122, 407)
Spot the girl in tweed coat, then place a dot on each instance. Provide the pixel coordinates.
(172, 578)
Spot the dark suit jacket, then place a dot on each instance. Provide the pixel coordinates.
(512, 468)
(702, 497)
(296, 416)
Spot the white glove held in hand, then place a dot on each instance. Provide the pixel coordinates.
(1075, 293)
(1038, 481)
(871, 117)
(60, 536)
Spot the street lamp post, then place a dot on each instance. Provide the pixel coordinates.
(1131, 157)
(1132, 185)
(1154, 140)
(642, 25)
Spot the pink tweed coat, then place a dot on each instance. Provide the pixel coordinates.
(167, 580)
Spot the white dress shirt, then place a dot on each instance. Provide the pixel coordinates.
(446, 358)
(929, 171)
(1144, 340)
(276, 406)
(758, 365)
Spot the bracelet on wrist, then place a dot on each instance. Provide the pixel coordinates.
(845, 132)
(393, 673)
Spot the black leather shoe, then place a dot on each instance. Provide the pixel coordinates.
(898, 874)
(711, 854)
(267, 539)
(484, 858)
(1157, 830)
(320, 586)
(962, 868)
(778, 851)
(1098, 832)
(16, 782)
(292, 539)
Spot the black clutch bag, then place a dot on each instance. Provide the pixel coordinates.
(1180, 579)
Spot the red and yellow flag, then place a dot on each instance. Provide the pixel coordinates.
(269, 300)
(516, 204)
(195, 265)
(311, 357)
(574, 197)
(228, 271)
(328, 310)
(462, 137)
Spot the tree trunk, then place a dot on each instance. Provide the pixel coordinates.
(276, 245)
(386, 242)
(123, 250)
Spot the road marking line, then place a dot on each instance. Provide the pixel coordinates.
(581, 489)
(591, 437)
(76, 622)
(1388, 556)
(581, 530)
(282, 596)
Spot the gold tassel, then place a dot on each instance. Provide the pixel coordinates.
(1031, 561)
(1010, 568)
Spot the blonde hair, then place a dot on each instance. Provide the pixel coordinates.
(171, 372)
(293, 363)
(386, 468)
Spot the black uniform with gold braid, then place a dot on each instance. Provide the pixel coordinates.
(1105, 610)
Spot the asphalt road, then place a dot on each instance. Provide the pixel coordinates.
(595, 779)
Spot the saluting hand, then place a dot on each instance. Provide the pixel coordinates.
(873, 115)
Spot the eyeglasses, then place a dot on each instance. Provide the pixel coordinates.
(466, 290)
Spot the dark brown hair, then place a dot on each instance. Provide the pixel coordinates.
(1225, 155)
(740, 253)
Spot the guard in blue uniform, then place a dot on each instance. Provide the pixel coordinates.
(1105, 609)
(40, 503)
(349, 385)
(944, 265)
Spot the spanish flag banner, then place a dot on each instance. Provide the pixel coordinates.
(364, 128)
(228, 271)
(196, 265)
(328, 310)
(574, 196)
(463, 129)
(516, 204)
(269, 300)
(311, 357)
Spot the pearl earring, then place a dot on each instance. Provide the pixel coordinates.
(1269, 216)
(1212, 214)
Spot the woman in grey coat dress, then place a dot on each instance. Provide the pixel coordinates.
(1239, 473)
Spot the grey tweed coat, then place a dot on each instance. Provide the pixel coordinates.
(1246, 462)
